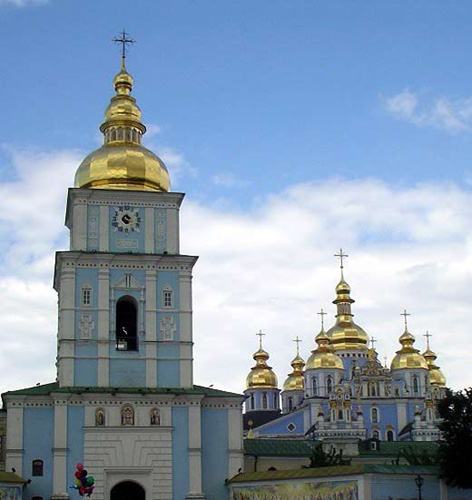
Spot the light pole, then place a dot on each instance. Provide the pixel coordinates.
(419, 483)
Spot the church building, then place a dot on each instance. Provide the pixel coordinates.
(124, 402)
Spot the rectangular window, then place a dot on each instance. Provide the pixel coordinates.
(86, 296)
(168, 298)
(37, 468)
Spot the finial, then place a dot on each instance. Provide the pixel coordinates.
(428, 336)
(297, 340)
(372, 342)
(385, 362)
(405, 315)
(322, 314)
(123, 40)
(260, 335)
(341, 256)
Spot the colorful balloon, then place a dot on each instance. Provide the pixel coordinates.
(80, 466)
(90, 481)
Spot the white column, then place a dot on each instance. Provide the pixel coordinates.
(151, 327)
(103, 238)
(79, 225)
(235, 442)
(103, 328)
(401, 415)
(186, 351)
(60, 452)
(149, 230)
(172, 231)
(66, 326)
(14, 451)
(195, 452)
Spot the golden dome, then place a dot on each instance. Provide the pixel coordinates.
(295, 380)
(408, 357)
(436, 376)
(323, 356)
(261, 375)
(122, 162)
(345, 334)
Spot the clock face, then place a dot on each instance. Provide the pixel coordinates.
(126, 219)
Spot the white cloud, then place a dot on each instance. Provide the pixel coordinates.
(225, 179)
(453, 115)
(23, 3)
(270, 268)
(152, 130)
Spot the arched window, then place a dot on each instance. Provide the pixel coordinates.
(375, 435)
(100, 417)
(155, 417)
(120, 134)
(128, 134)
(275, 401)
(113, 134)
(314, 385)
(390, 435)
(37, 466)
(252, 401)
(126, 324)
(290, 404)
(397, 392)
(375, 415)
(340, 415)
(415, 384)
(329, 384)
(127, 415)
(264, 400)
(348, 415)
(372, 389)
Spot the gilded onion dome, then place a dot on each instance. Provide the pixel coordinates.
(295, 380)
(261, 375)
(345, 334)
(408, 357)
(436, 376)
(323, 356)
(122, 162)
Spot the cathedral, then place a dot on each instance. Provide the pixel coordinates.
(124, 403)
(343, 394)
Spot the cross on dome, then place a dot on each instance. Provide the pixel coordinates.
(322, 314)
(405, 316)
(260, 335)
(372, 342)
(123, 40)
(428, 336)
(297, 340)
(341, 257)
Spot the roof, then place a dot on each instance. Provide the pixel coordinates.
(341, 470)
(280, 447)
(393, 448)
(10, 477)
(259, 418)
(46, 389)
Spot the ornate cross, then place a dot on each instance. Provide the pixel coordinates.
(428, 336)
(123, 40)
(260, 335)
(297, 340)
(373, 341)
(405, 315)
(341, 256)
(322, 314)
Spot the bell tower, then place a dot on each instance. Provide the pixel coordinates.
(125, 297)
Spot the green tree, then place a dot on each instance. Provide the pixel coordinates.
(418, 457)
(455, 447)
(319, 458)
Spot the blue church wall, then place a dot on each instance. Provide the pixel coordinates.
(86, 371)
(387, 415)
(214, 453)
(272, 396)
(170, 278)
(75, 439)
(180, 461)
(383, 488)
(160, 231)
(122, 242)
(38, 439)
(168, 370)
(123, 372)
(279, 426)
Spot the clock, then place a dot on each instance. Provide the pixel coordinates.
(126, 219)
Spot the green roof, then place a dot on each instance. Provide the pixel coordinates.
(44, 390)
(393, 448)
(341, 470)
(10, 477)
(278, 447)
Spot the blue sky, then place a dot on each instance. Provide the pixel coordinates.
(294, 128)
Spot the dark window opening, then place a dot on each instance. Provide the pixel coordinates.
(264, 401)
(389, 435)
(126, 325)
(290, 404)
(37, 468)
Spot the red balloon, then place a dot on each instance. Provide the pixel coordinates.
(78, 474)
(80, 466)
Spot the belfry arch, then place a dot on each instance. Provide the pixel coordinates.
(127, 490)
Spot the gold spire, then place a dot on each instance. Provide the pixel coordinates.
(345, 334)
(295, 380)
(323, 356)
(436, 376)
(261, 375)
(122, 162)
(407, 357)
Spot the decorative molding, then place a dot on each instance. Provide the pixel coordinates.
(168, 327)
(86, 326)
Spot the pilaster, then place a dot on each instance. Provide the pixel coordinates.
(195, 452)
(66, 326)
(151, 327)
(103, 327)
(235, 442)
(14, 452)
(60, 451)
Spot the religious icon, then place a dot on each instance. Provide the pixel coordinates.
(155, 417)
(127, 415)
(99, 417)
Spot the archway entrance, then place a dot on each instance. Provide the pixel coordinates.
(127, 490)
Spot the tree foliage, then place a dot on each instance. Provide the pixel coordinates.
(319, 458)
(455, 447)
(418, 457)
